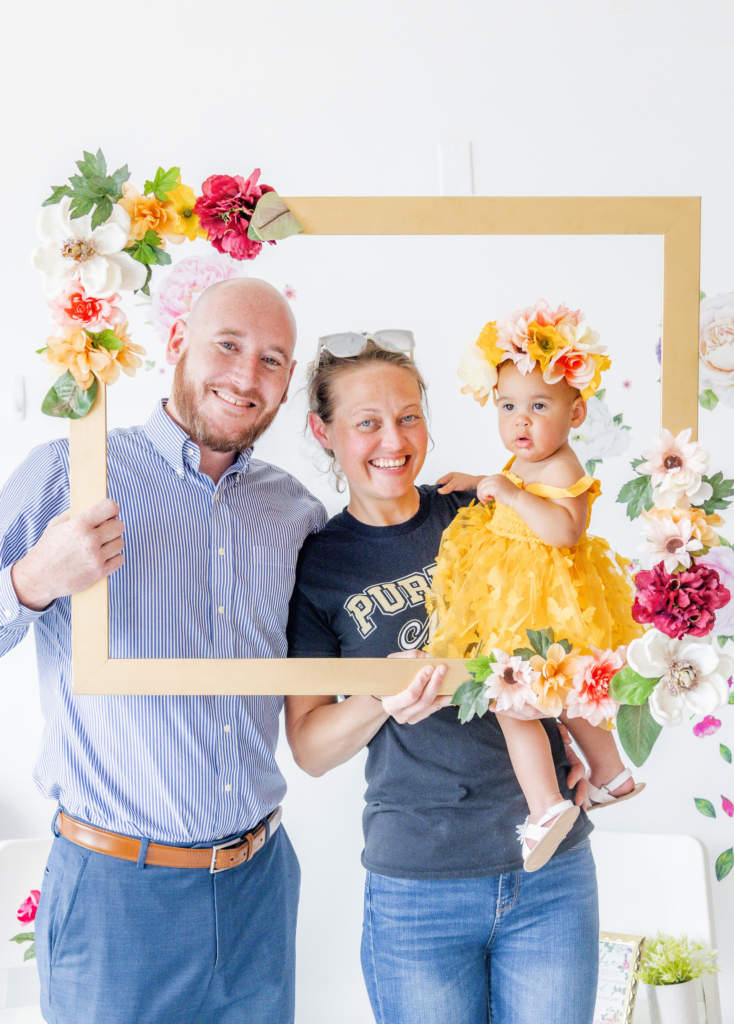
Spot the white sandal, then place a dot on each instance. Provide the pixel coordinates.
(603, 797)
(547, 837)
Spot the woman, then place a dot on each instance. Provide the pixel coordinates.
(454, 930)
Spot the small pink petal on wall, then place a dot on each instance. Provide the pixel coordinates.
(290, 292)
(707, 726)
(727, 806)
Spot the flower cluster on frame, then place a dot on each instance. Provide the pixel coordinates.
(101, 236)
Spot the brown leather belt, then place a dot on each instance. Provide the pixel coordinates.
(215, 858)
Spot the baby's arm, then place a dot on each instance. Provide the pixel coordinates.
(557, 521)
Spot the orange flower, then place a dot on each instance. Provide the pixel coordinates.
(148, 214)
(182, 201)
(128, 357)
(487, 344)
(701, 523)
(74, 353)
(555, 678)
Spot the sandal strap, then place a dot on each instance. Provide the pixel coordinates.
(603, 794)
(536, 830)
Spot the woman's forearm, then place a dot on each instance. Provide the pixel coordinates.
(324, 735)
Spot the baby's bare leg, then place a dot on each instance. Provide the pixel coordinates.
(600, 751)
(530, 753)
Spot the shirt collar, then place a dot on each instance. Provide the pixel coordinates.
(177, 448)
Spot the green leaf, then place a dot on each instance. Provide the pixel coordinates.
(30, 953)
(725, 753)
(102, 213)
(591, 466)
(701, 295)
(566, 645)
(708, 399)
(722, 640)
(724, 863)
(57, 194)
(39, 351)
(723, 493)
(150, 364)
(724, 542)
(67, 400)
(731, 697)
(637, 494)
(23, 937)
(618, 419)
(628, 687)
(638, 731)
(600, 394)
(704, 807)
(481, 667)
(119, 177)
(272, 220)
(80, 206)
(93, 164)
(106, 339)
(472, 699)
(148, 252)
(526, 653)
(163, 183)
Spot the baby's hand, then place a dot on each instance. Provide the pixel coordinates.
(457, 482)
(497, 487)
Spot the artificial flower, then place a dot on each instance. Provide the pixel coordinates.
(680, 603)
(599, 436)
(487, 344)
(128, 356)
(479, 375)
(554, 678)
(589, 697)
(716, 347)
(74, 352)
(149, 214)
(691, 675)
(701, 524)
(721, 560)
(707, 726)
(544, 343)
(225, 210)
(510, 684)
(74, 308)
(179, 290)
(71, 249)
(676, 466)
(27, 910)
(182, 201)
(577, 367)
(670, 541)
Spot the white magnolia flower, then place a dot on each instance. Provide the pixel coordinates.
(692, 675)
(71, 249)
(675, 466)
(510, 682)
(479, 375)
(669, 541)
(598, 437)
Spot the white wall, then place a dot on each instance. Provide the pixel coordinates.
(608, 97)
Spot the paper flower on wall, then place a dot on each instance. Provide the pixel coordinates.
(716, 350)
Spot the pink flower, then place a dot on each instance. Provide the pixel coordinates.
(626, 384)
(225, 210)
(27, 910)
(179, 291)
(74, 308)
(681, 603)
(510, 682)
(577, 367)
(727, 806)
(589, 697)
(707, 726)
(722, 560)
(289, 292)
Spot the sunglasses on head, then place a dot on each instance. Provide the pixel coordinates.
(352, 344)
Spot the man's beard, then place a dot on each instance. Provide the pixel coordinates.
(185, 395)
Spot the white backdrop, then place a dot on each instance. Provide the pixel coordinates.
(558, 98)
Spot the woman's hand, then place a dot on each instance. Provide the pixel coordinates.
(420, 699)
(457, 482)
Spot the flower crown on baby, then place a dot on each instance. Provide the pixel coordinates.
(560, 341)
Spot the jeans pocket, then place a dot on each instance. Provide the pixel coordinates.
(66, 888)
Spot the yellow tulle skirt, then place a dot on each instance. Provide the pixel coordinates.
(495, 579)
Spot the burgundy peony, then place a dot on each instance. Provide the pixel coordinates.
(225, 210)
(679, 603)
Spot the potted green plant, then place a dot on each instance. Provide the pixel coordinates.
(669, 968)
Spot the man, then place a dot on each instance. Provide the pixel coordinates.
(170, 894)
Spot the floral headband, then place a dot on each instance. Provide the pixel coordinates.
(559, 340)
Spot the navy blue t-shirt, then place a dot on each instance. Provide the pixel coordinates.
(442, 797)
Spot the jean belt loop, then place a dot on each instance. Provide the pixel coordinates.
(143, 853)
(53, 823)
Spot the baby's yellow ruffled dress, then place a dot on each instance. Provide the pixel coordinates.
(495, 579)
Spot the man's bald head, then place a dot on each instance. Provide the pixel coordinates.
(252, 296)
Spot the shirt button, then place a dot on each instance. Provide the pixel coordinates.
(221, 551)
(227, 788)
(180, 472)
(226, 728)
(221, 609)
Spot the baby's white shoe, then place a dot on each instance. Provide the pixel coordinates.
(602, 797)
(547, 837)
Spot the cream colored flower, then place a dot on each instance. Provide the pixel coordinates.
(554, 678)
(510, 682)
(669, 542)
(479, 375)
(676, 466)
(701, 524)
(74, 353)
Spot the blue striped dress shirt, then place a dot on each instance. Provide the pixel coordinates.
(208, 574)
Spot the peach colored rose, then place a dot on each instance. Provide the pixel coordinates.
(577, 367)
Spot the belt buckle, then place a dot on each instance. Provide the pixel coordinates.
(240, 841)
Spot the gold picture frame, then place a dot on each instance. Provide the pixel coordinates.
(620, 957)
(677, 219)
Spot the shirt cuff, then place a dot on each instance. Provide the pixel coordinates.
(13, 614)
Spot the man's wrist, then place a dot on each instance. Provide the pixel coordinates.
(29, 594)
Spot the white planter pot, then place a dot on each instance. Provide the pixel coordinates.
(673, 1004)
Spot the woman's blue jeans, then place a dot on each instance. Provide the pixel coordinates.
(520, 948)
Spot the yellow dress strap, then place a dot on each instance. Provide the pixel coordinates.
(586, 483)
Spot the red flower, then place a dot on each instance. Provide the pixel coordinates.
(27, 909)
(679, 603)
(225, 210)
